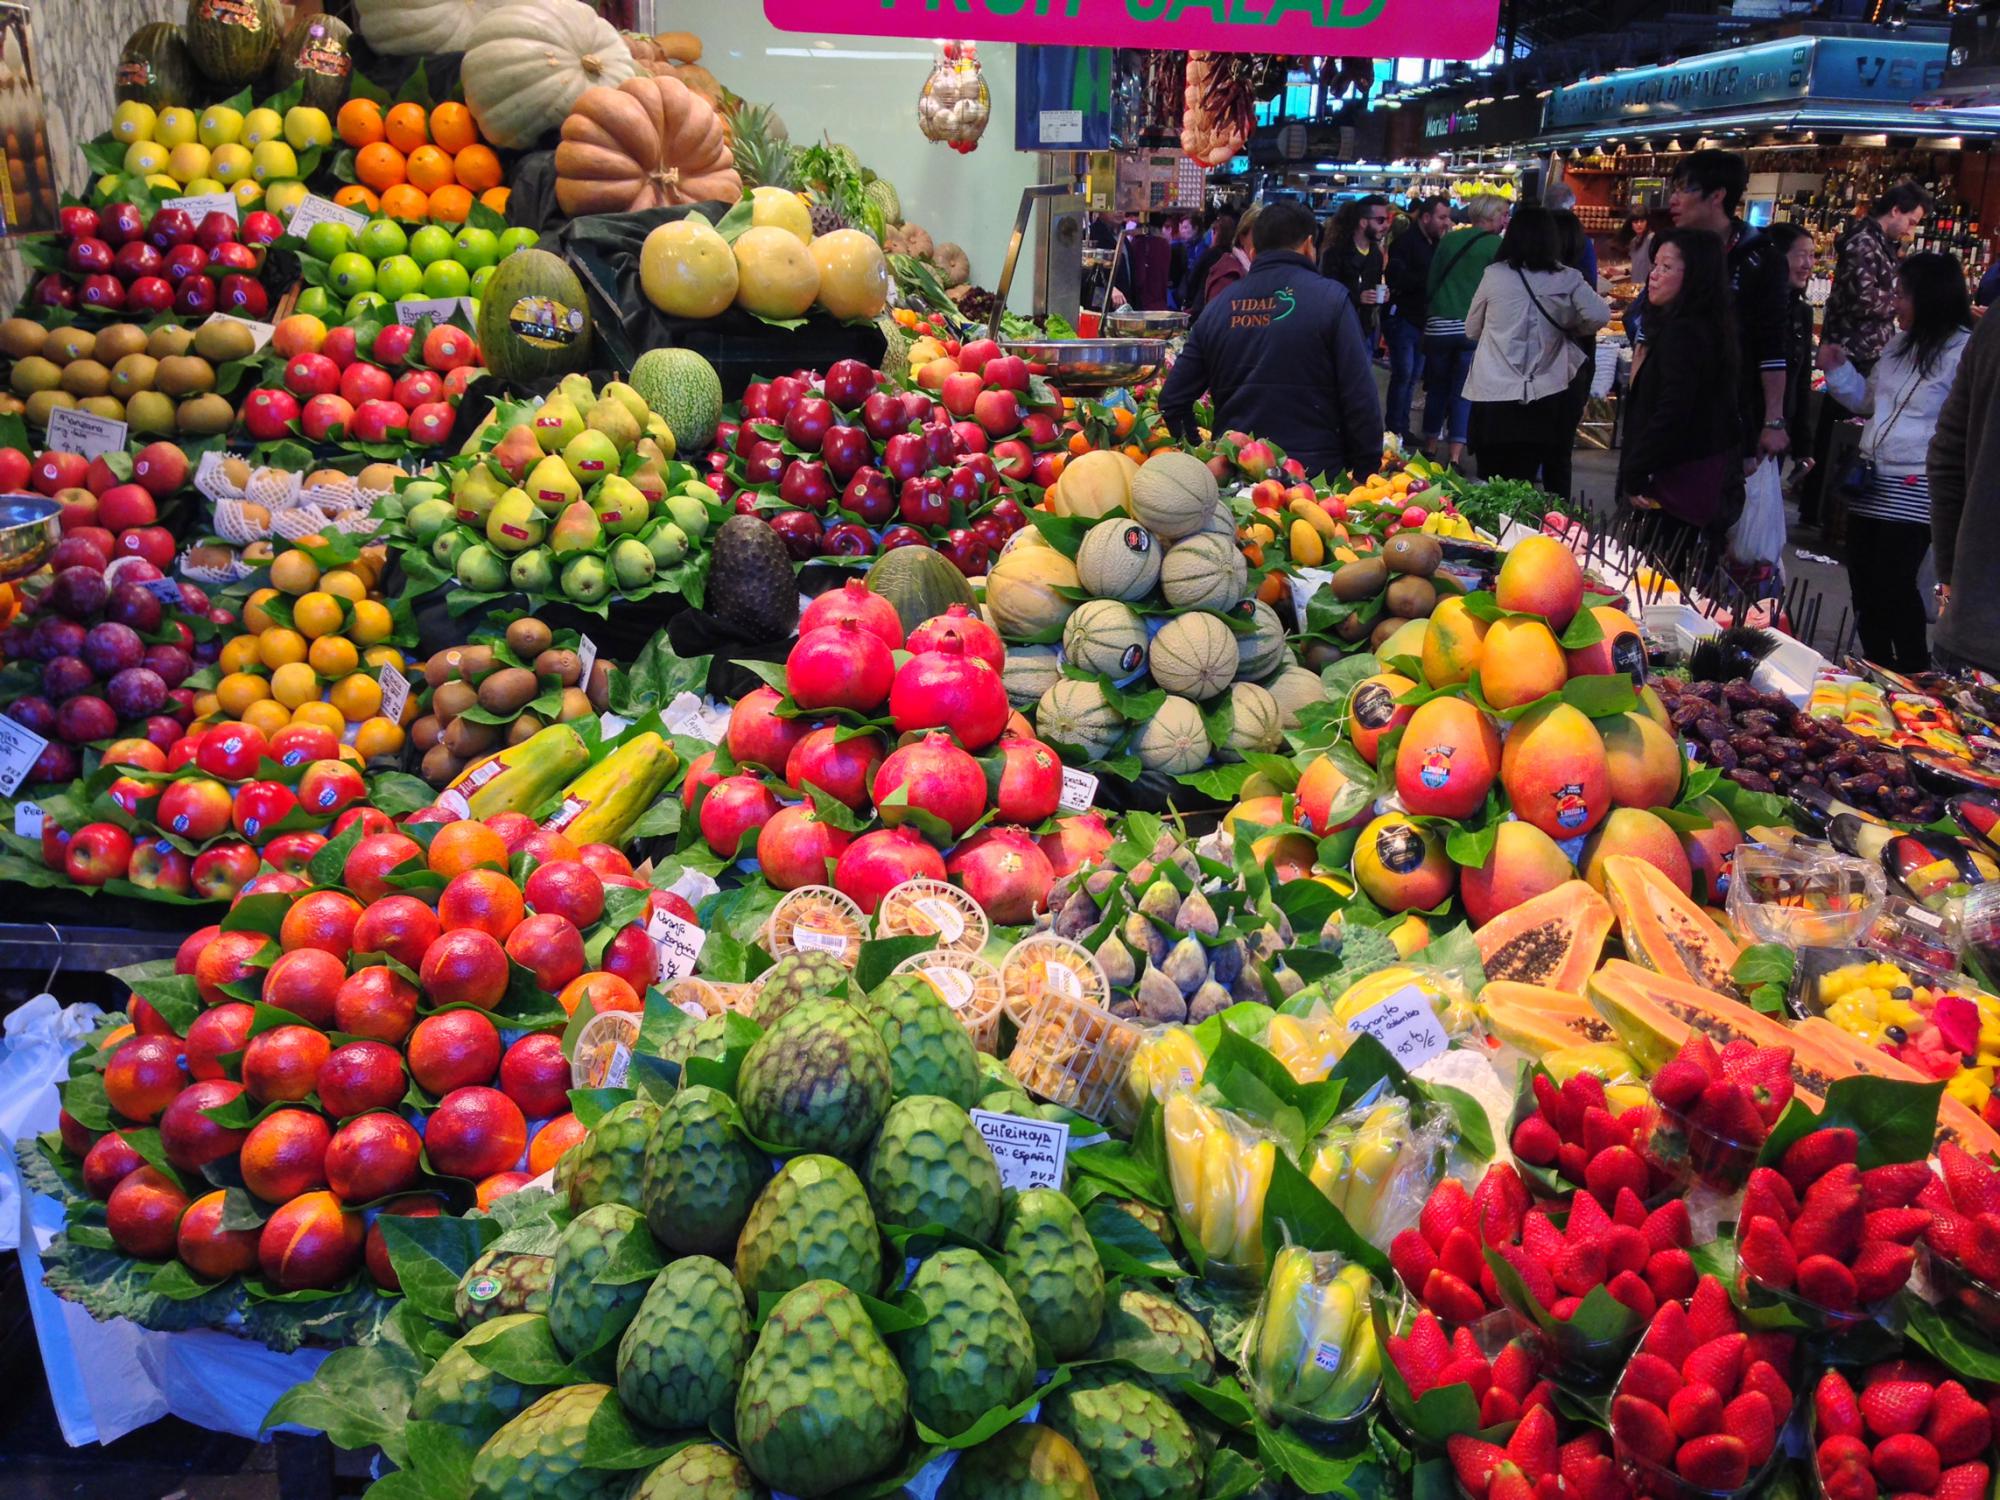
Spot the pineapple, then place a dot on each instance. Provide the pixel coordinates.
(764, 153)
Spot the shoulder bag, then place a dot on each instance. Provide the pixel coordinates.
(1570, 336)
(1858, 477)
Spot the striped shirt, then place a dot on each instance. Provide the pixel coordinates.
(1895, 497)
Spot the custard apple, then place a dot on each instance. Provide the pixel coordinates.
(1136, 1445)
(539, 1455)
(502, 1282)
(1053, 1268)
(1156, 1335)
(1023, 1462)
(586, 1314)
(462, 1392)
(795, 979)
(678, 1362)
(930, 1165)
(974, 1352)
(816, 1081)
(700, 1471)
(930, 1051)
(607, 1167)
(701, 1174)
(812, 1223)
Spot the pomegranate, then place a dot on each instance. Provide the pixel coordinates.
(1030, 781)
(855, 601)
(1076, 842)
(795, 847)
(934, 776)
(841, 666)
(950, 689)
(733, 808)
(960, 624)
(840, 768)
(701, 773)
(1005, 871)
(876, 863)
(760, 736)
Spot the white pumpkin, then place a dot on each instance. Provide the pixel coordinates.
(528, 62)
(419, 28)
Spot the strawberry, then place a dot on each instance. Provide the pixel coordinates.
(1474, 1461)
(1831, 1215)
(1542, 1393)
(1853, 1482)
(1534, 1272)
(1907, 1461)
(1498, 1204)
(1881, 1269)
(1895, 1184)
(1559, 1109)
(1414, 1259)
(1974, 1186)
(1587, 1219)
(1536, 1141)
(1628, 1208)
(1448, 1206)
(1600, 1131)
(1564, 1308)
(1727, 1112)
(1891, 1407)
(1768, 1196)
(1979, 1249)
(1901, 1225)
(1584, 1466)
(1715, 1462)
(1964, 1482)
(1903, 1368)
(1710, 1312)
(1468, 1371)
(1694, 1411)
(1625, 1249)
(1489, 1284)
(1775, 1349)
(1762, 1377)
(1669, 1337)
(1814, 1154)
(1451, 1299)
(1959, 1428)
(1835, 1409)
(1679, 1084)
(1428, 1346)
(1581, 1266)
(1514, 1369)
(1750, 1418)
(1461, 1256)
(1630, 1288)
(1643, 1428)
(1767, 1255)
(1540, 1238)
(1670, 1274)
(1573, 1160)
(1498, 1406)
(1587, 1089)
(1934, 1195)
(1948, 1233)
(1717, 1363)
(1844, 1451)
(1824, 1280)
(1509, 1483)
(1651, 1378)
(1465, 1346)
(1667, 1227)
(1533, 1444)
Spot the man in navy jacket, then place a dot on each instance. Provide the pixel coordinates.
(1283, 356)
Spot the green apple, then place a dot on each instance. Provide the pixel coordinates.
(327, 240)
(431, 243)
(381, 238)
(399, 276)
(446, 278)
(476, 247)
(510, 239)
(362, 304)
(349, 274)
(314, 300)
(479, 279)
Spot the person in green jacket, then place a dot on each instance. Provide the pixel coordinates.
(1460, 261)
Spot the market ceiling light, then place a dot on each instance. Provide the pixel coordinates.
(846, 54)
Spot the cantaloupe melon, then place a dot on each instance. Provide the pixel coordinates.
(1204, 572)
(1077, 714)
(1119, 559)
(1174, 740)
(1261, 652)
(1194, 655)
(1030, 672)
(534, 321)
(1254, 719)
(1021, 592)
(1295, 689)
(1105, 637)
(1174, 495)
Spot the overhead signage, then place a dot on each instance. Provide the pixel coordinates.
(1337, 28)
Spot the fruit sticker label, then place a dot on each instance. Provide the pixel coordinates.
(28, 822)
(242, 13)
(1064, 980)
(260, 333)
(1400, 848)
(165, 590)
(1434, 766)
(1028, 1152)
(1327, 1357)
(1406, 1025)
(676, 943)
(73, 431)
(20, 748)
(1079, 791)
(1373, 706)
(437, 309)
(544, 323)
(201, 205)
(313, 210)
(954, 984)
(1628, 655)
(950, 926)
(395, 693)
(817, 940)
(1572, 811)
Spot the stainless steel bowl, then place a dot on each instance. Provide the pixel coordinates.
(1128, 323)
(1095, 365)
(30, 527)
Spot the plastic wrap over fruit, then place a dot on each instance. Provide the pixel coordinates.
(1378, 1162)
(1219, 1166)
(955, 103)
(1168, 1060)
(1360, 1005)
(1310, 1353)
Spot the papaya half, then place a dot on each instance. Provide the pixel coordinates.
(1554, 939)
(1663, 929)
(1537, 1020)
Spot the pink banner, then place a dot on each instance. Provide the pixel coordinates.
(1338, 28)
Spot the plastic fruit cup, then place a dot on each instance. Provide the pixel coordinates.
(1873, 1318)
(1647, 1478)
(1976, 1302)
(1685, 1148)
(1590, 1362)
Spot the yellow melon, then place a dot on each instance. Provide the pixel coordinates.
(775, 274)
(1098, 483)
(686, 269)
(853, 275)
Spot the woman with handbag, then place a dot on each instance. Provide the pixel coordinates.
(1887, 489)
(1528, 319)
(1682, 457)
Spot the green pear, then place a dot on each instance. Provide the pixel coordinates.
(515, 525)
(577, 529)
(472, 443)
(447, 544)
(479, 567)
(427, 518)
(474, 493)
(658, 430)
(551, 485)
(667, 542)
(585, 580)
(579, 389)
(517, 452)
(611, 418)
(620, 506)
(632, 563)
(689, 508)
(591, 455)
(419, 490)
(556, 421)
(628, 398)
(532, 572)
(650, 481)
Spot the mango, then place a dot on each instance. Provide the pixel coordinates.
(1621, 650)
(1408, 640)
(1554, 773)
(1654, 708)
(1447, 760)
(1524, 863)
(1644, 761)
(1372, 711)
(1401, 865)
(1540, 577)
(1520, 663)
(1636, 832)
(1709, 848)
(1454, 643)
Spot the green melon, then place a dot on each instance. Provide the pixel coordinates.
(1077, 714)
(1256, 723)
(155, 67)
(1174, 494)
(682, 387)
(1174, 739)
(232, 43)
(1119, 559)
(1030, 672)
(1295, 689)
(1194, 655)
(1204, 572)
(1105, 637)
(1023, 592)
(316, 56)
(920, 583)
(1261, 652)
(534, 320)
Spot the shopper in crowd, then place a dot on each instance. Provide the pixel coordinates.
(1795, 243)
(1574, 248)
(1282, 356)
(1461, 259)
(1180, 234)
(1220, 240)
(1354, 257)
(1964, 473)
(1889, 509)
(1560, 197)
(1707, 190)
(1407, 271)
(1681, 459)
(1988, 291)
(1527, 320)
(1655, 224)
(1228, 270)
(1861, 310)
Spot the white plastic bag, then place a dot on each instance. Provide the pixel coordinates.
(1758, 537)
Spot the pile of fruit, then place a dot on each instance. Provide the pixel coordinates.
(767, 260)
(258, 154)
(1948, 1031)
(117, 259)
(412, 164)
(498, 690)
(351, 273)
(364, 384)
(172, 381)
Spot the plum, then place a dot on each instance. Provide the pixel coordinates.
(57, 762)
(111, 648)
(77, 552)
(131, 605)
(86, 718)
(136, 692)
(172, 663)
(194, 599)
(67, 676)
(180, 705)
(163, 730)
(54, 636)
(78, 592)
(34, 712)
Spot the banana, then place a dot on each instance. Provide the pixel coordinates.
(524, 776)
(1288, 1321)
(1325, 1351)
(1330, 1166)
(608, 798)
(1253, 1181)
(1361, 1371)
(1215, 1221)
(1184, 1126)
(1377, 1149)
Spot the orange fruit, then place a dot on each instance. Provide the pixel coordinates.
(279, 647)
(406, 128)
(267, 716)
(317, 613)
(451, 203)
(359, 122)
(477, 167)
(240, 654)
(406, 202)
(429, 168)
(357, 696)
(484, 899)
(333, 656)
(323, 714)
(452, 127)
(380, 166)
(467, 844)
(496, 199)
(254, 617)
(378, 736)
(354, 195)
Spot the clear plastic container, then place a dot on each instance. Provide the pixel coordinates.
(1752, 1294)
(1693, 1151)
(1647, 1478)
(1907, 932)
(969, 985)
(1073, 1053)
(1310, 1354)
(817, 919)
(1044, 964)
(1971, 1298)
(1804, 897)
(921, 908)
(602, 1055)
(1979, 925)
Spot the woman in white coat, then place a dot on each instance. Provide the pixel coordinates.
(1527, 319)
(1887, 491)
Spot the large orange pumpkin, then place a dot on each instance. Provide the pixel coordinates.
(648, 143)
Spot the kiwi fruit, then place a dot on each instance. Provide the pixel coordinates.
(43, 402)
(224, 340)
(132, 374)
(443, 666)
(1412, 552)
(35, 373)
(475, 664)
(118, 340)
(598, 689)
(169, 340)
(148, 411)
(465, 739)
(204, 415)
(1385, 627)
(85, 377)
(426, 732)
(66, 344)
(565, 666)
(1352, 628)
(108, 407)
(20, 337)
(575, 705)
(1411, 597)
(1359, 580)
(450, 699)
(508, 690)
(528, 637)
(184, 375)
(523, 728)
(440, 765)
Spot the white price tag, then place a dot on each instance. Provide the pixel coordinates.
(688, 715)
(437, 309)
(677, 944)
(586, 655)
(1079, 791)
(694, 887)
(395, 693)
(1406, 1025)
(165, 590)
(261, 332)
(73, 431)
(20, 748)
(814, 940)
(1305, 583)
(28, 820)
(201, 205)
(1061, 125)
(950, 925)
(610, 725)
(315, 210)
(1030, 1153)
